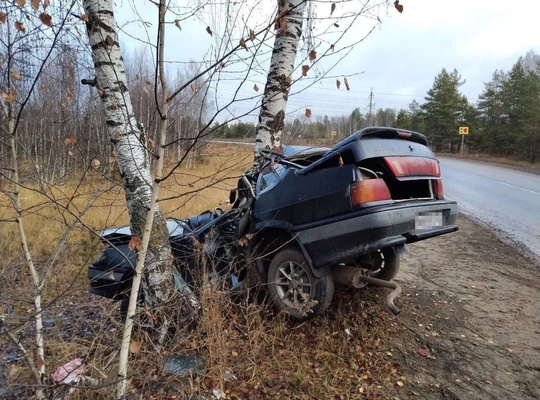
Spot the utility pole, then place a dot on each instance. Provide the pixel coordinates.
(370, 107)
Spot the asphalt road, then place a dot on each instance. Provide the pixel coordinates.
(504, 199)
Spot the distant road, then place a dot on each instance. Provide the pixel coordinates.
(506, 200)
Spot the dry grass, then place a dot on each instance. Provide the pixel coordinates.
(249, 352)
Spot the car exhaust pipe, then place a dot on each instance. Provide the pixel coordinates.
(350, 276)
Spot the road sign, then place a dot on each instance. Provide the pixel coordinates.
(463, 130)
(333, 133)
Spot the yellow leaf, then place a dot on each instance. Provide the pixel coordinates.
(3, 17)
(15, 74)
(135, 347)
(208, 30)
(308, 113)
(46, 19)
(35, 4)
(177, 24)
(20, 27)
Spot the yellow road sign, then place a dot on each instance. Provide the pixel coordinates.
(333, 133)
(463, 130)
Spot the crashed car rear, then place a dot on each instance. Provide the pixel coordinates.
(311, 217)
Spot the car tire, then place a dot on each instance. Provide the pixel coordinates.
(384, 264)
(293, 287)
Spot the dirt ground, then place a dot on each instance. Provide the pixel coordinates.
(470, 319)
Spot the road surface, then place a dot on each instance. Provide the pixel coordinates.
(504, 199)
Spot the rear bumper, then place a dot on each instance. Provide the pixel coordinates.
(350, 236)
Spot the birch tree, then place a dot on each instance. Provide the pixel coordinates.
(130, 146)
(276, 91)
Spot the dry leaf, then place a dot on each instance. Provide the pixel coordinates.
(116, 135)
(46, 19)
(135, 347)
(20, 27)
(114, 106)
(40, 362)
(35, 4)
(135, 243)
(64, 105)
(338, 83)
(312, 55)
(109, 41)
(336, 25)
(45, 4)
(112, 159)
(21, 3)
(256, 88)
(3, 17)
(305, 69)
(332, 8)
(15, 74)
(193, 87)
(151, 144)
(69, 95)
(308, 113)
(100, 93)
(208, 30)
(10, 98)
(346, 83)
(95, 163)
(84, 17)
(398, 6)
(243, 43)
(252, 34)
(71, 139)
(177, 24)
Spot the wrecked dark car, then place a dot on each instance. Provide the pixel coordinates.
(309, 218)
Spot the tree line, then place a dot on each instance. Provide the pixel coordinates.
(504, 121)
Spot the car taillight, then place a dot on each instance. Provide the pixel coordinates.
(369, 190)
(410, 166)
(438, 189)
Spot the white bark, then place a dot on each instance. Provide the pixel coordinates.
(129, 141)
(276, 91)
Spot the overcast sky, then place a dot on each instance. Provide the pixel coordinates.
(401, 57)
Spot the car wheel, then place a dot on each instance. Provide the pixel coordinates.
(384, 264)
(295, 289)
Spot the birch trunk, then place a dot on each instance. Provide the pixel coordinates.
(130, 148)
(276, 91)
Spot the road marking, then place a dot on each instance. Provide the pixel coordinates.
(517, 187)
